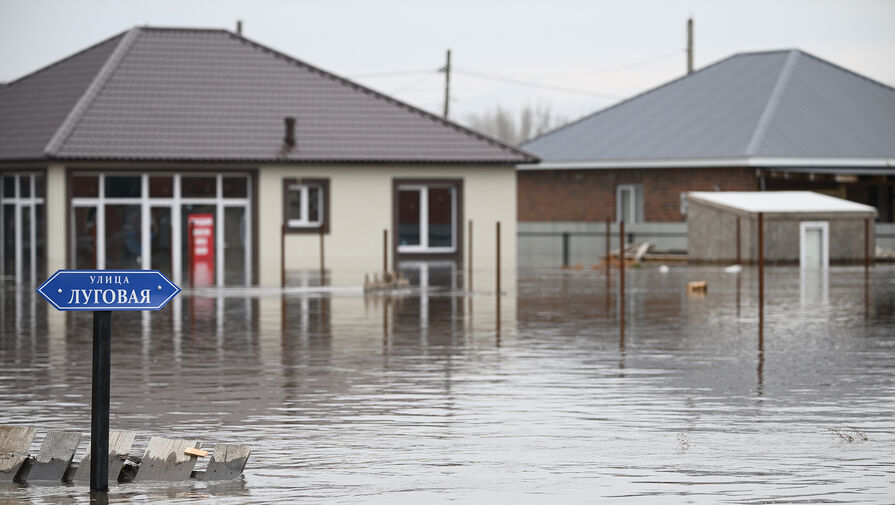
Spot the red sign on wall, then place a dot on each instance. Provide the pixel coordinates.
(200, 229)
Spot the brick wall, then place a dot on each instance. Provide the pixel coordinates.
(589, 195)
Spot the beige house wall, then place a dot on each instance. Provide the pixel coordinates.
(57, 209)
(361, 208)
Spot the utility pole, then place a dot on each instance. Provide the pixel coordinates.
(447, 82)
(690, 45)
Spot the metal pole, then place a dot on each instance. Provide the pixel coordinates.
(565, 249)
(322, 264)
(283, 256)
(760, 276)
(621, 274)
(99, 405)
(739, 260)
(498, 279)
(469, 272)
(608, 261)
(866, 245)
(384, 253)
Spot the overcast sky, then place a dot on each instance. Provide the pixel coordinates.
(605, 50)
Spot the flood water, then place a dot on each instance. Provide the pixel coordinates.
(417, 399)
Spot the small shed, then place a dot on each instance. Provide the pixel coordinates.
(799, 227)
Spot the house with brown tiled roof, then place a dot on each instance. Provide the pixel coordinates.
(208, 156)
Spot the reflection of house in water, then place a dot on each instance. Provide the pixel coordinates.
(434, 316)
(279, 152)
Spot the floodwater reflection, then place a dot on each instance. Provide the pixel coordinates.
(407, 397)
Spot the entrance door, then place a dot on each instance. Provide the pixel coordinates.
(814, 245)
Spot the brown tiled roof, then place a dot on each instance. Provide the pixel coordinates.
(171, 94)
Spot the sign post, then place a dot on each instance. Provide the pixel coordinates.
(103, 291)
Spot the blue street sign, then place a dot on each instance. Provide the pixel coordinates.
(108, 290)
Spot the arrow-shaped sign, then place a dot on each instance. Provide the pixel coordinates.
(108, 290)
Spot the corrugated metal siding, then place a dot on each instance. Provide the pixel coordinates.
(200, 94)
(33, 107)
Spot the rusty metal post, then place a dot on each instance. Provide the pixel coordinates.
(621, 275)
(384, 252)
(761, 278)
(469, 270)
(322, 263)
(866, 246)
(498, 279)
(283, 256)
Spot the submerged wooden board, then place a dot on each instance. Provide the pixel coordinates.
(14, 444)
(120, 443)
(227, 462)
(165, 460)
(55, 456)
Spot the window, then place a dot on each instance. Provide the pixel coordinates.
(22, 226)
(427, 213)
(139, 220)
(629, 203)
(305, 205)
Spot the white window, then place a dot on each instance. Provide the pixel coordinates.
(22, 225)
(134, 220)
(426, 218)
(629, 203)
(814, 244)
(304, 205)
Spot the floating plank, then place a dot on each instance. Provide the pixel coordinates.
(55, 456)
(120, 443)
(14, 444)
(199, 453)
(697, 287)
(227, 462)
(165, 460)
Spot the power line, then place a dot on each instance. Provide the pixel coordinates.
(538, 85)
(397, 73)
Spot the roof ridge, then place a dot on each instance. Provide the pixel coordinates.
(852, 72)
(63, 60)
(102, 76)
(381, 96)
(773, 101)
(631, 99)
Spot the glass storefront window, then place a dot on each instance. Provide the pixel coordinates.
(132, 227)
(85, 186)
(198, 187)
(122, 186)
(161, 187)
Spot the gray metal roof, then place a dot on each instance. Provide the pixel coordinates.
(780, 104)
(210, 95)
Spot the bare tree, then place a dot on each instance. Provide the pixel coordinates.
(502, 124)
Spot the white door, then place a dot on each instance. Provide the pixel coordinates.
(814, 245)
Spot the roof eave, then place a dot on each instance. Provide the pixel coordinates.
(742, 161)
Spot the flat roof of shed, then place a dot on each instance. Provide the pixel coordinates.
(780, 201)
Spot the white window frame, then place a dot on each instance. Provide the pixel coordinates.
(633, 202)
(303, 221)
(824, 227)
(22, 204)
(423, 246)
(175, 203)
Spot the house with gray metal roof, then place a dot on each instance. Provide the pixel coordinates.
(778, 120)
(120, 156)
